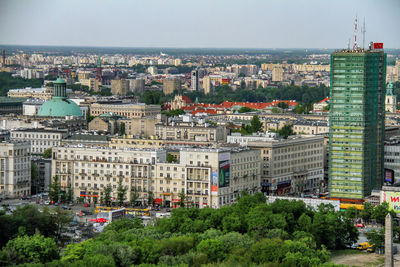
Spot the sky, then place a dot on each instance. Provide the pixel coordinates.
(198, 23)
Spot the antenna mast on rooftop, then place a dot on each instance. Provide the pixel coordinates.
(355, 34)
(363, 30)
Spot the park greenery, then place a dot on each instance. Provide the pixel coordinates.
(247, 233)
(254, 127)
(8, 82)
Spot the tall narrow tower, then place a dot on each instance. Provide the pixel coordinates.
(356, 123)
(4, 57)
(99, 74)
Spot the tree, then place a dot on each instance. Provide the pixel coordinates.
(255, 124)
(89, 117)
(122, 128)
(275, 110)
(171, 158)
(47, 153)
(366, 213)
(283, 105)
(182, 198)
(150, 198)
(379, 212)
(377, 238)
(107, 194)
(61, 219)
(121, 192)
(285, 131)
(213, 248)
(134, 196)
(70, 193)
(245, 109)
(31, 249)
(54, 189)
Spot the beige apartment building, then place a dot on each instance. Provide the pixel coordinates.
(311, 127)
(144, 127)
(129, 141)
(15, 169)
(208, 177)
(137, 110)
(291, 166)
(190, 131)
(88, 170)
(119, 87)
(170, 85)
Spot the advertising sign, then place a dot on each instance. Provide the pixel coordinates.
(214, 181)
(389, 176)
(392, 198)
(224, 164)
(378, 45)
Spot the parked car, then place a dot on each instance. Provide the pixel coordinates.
(360, 225)
(86, 205)
(66, 208)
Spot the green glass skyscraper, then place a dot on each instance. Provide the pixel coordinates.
(356, 122)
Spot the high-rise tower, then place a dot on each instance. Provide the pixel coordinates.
(357, 121)
(195, 80)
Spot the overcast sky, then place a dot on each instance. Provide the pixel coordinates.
(198, 23)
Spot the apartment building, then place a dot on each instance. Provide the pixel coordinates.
(39, 138)
(190, 131)
(144, 127)
(137, 110)
(15, 169)
(88, 170)
(291, 166)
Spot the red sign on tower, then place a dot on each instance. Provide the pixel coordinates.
(378, 45)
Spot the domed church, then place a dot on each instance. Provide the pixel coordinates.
(59, 105)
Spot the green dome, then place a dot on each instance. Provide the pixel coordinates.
(59, 80)
(59, 107)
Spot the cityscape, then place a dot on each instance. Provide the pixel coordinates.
(176, 136)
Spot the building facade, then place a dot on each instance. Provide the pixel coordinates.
(15, 169)
(40, 139)
(356, 123)
(137, 110)
(170, 85)
(292, 166)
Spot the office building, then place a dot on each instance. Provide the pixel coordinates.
(356, 124)
(15, 169)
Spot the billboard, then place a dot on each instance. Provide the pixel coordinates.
(392, 198)
(224, 166)
(389, 176)
(378, 45)
(214, 182)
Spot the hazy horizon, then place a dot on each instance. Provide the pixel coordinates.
(222, 24)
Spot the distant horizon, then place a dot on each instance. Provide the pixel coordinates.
(206, 24)
(171, 47)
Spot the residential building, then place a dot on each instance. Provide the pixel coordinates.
(40, 139)
(356, 123)
(132, 110)
(170, 85)
(119, 87)
(190, 131)
(207, 85)
(87, 170)
(107, 123)
(277, 74)
(15, 169)
(136, 85)
(40, 93)
(144, 127)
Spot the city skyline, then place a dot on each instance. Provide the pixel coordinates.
(233, 24)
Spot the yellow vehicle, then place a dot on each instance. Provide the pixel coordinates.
(138, 212)
(371, 248)
(363, 246)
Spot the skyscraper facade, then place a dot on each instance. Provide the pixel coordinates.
(356, 125)
(195, 80)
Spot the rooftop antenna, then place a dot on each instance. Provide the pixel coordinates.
(363, 30)
(355, 34)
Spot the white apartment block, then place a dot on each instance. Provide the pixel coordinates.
(89, 170)
(291, 166)
(39, 138)
(15, 169)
